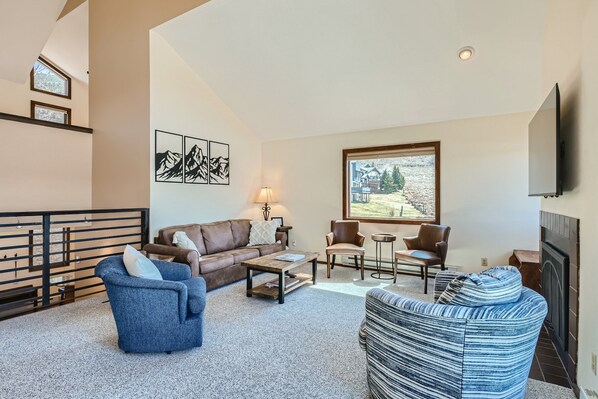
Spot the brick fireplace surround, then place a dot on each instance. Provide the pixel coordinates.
(562, 233)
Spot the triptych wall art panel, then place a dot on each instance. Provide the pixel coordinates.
(191, 160)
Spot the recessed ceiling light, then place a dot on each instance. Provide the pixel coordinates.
(466, 53)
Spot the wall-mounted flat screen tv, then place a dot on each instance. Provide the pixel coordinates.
(545, 148)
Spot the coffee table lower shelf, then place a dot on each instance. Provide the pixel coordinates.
(272, 292)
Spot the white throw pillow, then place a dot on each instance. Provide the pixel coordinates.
(181, 240)
(138, 265)
(262, 232)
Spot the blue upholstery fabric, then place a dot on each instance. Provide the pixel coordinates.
(196, 294)
(442, 280)
(423, 350)
(155, 315)
(495, 286)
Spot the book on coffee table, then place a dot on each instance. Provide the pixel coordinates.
(290, 257)
(288, 282)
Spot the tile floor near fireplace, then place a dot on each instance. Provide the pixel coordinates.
(547, 365)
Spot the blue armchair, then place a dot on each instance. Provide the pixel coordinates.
(155, 315)
(418, 349)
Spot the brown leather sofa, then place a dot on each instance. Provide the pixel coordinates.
(222, 245)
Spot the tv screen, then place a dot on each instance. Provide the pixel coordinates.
(545, 148)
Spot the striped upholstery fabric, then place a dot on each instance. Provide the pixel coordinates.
(442, 280)
(498, 285)
(424, 350)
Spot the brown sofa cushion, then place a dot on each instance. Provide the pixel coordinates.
(240, 228)
(210, 263)
(193, 232)
(243, 254)
(268, 248)
(217, 236)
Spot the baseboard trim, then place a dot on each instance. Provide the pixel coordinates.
(587, 394)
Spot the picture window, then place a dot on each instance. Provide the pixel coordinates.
(392, 184)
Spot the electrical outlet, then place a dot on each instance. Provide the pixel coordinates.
(594, 363)
(485, 262)
(294, 243)
(78, 259)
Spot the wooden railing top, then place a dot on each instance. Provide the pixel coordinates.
(31, 121)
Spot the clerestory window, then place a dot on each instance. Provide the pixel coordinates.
(50, 113)
(47, 78)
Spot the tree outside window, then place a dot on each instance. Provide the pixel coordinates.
(47, 78)
(392, 184)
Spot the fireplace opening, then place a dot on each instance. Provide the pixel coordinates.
(555, 288)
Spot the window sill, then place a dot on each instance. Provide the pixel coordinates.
(393, 221)
(24, 119)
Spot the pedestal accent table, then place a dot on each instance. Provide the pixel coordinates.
(380, 238)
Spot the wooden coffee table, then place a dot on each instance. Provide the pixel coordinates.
(270, 264)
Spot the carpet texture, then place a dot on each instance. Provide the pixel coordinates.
(253, 348)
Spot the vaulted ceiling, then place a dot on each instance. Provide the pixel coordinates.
(68, 45)
(292, 68)
(25, 26)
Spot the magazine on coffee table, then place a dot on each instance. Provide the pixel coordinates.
(287, 282)
(290, 257)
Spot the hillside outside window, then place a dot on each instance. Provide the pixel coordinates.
(392, 184)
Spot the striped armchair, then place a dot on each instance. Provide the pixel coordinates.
(422, 350)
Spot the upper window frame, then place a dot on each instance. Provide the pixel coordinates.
(399, 147)
(56, 70)
(67, 112)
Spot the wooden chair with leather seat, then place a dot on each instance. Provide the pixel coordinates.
(428, 248)
(344, 239)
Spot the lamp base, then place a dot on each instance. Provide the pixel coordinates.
(266, 208)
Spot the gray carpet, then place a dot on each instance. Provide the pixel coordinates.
(253, 348)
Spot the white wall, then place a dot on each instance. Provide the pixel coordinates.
(570, 58)
(182, 103)
(43, 168)
(483, 186)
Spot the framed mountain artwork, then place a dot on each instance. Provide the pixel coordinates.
(169, 157)
(219, 163)
(196, 161)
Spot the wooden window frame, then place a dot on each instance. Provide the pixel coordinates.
(58, 72)
(56, 107)
(352, 151)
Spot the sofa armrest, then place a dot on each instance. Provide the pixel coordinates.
(196, 294)
(149, 290)
(411, 242)
(181, 255)
(329, 239)
(363, 332)
(282, 237)
(359, 240)
(172, 271)
(441, 250)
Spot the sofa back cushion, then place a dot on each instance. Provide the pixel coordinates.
(217, 236)
(496, 286)
(240, 228)
(193, 231)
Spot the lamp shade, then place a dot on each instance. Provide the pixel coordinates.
(266, 195)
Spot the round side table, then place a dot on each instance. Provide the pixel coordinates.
(380, 238)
